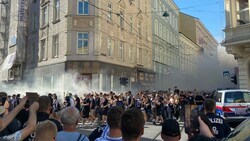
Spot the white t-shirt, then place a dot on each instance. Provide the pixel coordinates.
(13, 137)
(70, 136)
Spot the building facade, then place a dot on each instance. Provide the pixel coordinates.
(206, 59)
(189, 53)
(4, 28)
(90, 45)
(237, 35)
(15, 40)
(165, 43)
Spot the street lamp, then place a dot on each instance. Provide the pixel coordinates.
(165, 14)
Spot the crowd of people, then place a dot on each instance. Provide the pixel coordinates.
(121, 116)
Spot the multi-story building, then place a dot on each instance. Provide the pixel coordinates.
(165, 20)
(4, 28)
(206, 61)
(189, 53)
(15, 40)
(92, 44)
(237, 35)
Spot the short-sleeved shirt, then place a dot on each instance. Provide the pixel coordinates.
(13, 137)
(87, 107)
(70, 136)
(42, 116)
(219, 126)
(107, 138)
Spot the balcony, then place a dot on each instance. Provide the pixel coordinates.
(237, 35)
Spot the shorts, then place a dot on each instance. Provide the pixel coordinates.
(92, 112)
(105, 112)
(158, 112)
(85, 114)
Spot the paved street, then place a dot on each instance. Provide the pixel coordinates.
(151, 132)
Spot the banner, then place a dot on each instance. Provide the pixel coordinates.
(22, 12)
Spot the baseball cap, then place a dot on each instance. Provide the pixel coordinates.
(171, 128)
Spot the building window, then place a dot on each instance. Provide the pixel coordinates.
(160, 30)
(156, 5)
(56, 9)
(110, 11)
(164, 36)
(139, 28)
(147, 58)
(156, 28)
(44, 15)
(159, 54)
(110, 47)
(43, 48)
(168, 34)
(140, 56)
(82, 43)
(83, 7)
(242, 7)
(121, 19)
(138, 4)
(131, 23)
(32, 58)
(131, 53)
(55, 46)
(34, 21)
(121, 51)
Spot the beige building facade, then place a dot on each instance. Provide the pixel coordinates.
(90, 45)
(189, 53)
(165, 43)
(201, 55)
(237, 37)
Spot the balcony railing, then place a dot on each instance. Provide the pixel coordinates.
(238, 33)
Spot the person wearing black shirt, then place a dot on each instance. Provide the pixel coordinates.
(98, 107)
(105, 108)
(219, 126)
(44, 114)
(159, 105)
(191, 99)
(77, 103)
(86, 108)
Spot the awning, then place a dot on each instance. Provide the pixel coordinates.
(9, 61)
(6, 65)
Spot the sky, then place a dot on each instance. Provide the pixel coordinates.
(210, 12)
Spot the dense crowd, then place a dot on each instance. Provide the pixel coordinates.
(50, 118)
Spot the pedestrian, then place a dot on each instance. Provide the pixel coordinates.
(113, 133)
(170, 130)
(219, 126)
(132, 125)
(43, 114)
(46, 131)
(69, 118)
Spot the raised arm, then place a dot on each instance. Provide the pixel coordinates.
(5, 121)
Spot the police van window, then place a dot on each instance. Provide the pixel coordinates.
(237, 97)
(246, 97)
(218, 97)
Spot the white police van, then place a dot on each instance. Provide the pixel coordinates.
(233, 105)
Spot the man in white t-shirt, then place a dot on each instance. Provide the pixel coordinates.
(69, 119)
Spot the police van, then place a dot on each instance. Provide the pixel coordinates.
(233, 105)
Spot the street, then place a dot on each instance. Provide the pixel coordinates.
(151, 132)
